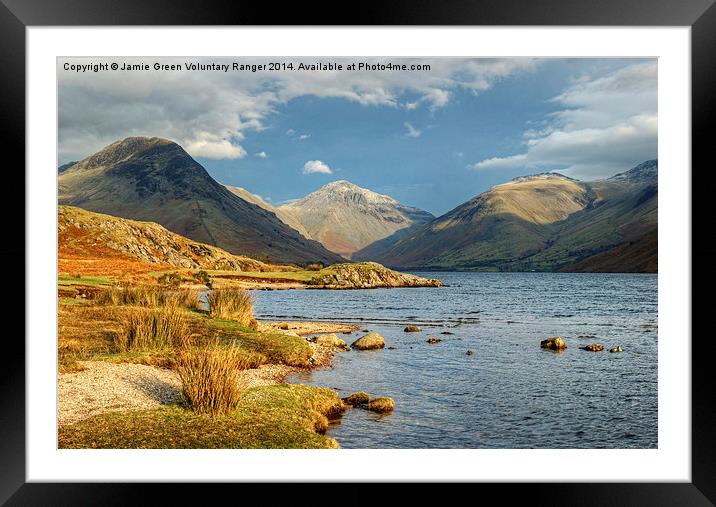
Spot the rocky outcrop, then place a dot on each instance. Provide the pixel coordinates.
(356, 399)
(369, 342)
(367, 275)
(432, 340)
(594, 347)
(381, 405)
(330, 340)
(411, 328)
(555, 343)
(618, 348)
(84, 234)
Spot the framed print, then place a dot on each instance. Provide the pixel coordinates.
(427, 247)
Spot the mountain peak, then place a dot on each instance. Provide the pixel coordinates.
(347, 218)
(645, 172)
(122, 150)
(344, 191)
(540, 176)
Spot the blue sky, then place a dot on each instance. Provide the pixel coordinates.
(432, 140)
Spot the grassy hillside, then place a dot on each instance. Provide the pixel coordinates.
(540, 223)
(94, 243)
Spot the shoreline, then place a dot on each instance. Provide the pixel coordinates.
(103, 386)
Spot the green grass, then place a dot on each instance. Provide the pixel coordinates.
(278, 348)
(94, 281)
(279, 416)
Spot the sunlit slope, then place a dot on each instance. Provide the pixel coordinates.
(545, 222)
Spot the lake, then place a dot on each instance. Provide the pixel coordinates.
(509, 393)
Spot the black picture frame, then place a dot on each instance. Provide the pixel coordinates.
(700, 15)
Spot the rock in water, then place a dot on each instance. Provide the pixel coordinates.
(412, 329)
(368, 342)
(434, 340)
(356, 399)
(331, 340)
(469, 353)
(594, 347)
(618, 348)
(555, 343)
(381, 405)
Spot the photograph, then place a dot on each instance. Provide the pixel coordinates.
(357, 252)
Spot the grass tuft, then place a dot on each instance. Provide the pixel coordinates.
(210, 380)
(148, 296)
(153, 329)
(232, 304)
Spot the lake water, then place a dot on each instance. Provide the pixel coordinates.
(509, 393)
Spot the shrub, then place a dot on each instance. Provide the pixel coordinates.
(153, 329)
(203, 277)
(210, 380)
(170, 280)
(314, 267)
(232, 304)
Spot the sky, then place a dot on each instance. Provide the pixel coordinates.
(429, 138)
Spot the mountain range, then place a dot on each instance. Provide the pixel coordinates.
(543, 222)
(153, 179)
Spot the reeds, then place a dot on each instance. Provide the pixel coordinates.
(232, 304)
(153, 329)
(148, 296)
(210, 379)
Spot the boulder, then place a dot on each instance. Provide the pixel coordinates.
(368, 342)
(355, 399)
(469, 353)
(411, 329)
(381, 405)
(594, 347)
(331, 340)
(446, 332)
(555, 343)
(618, 348)
(432, 339)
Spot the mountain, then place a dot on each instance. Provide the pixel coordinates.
(346, 218)
(286, 218)
(543, 222)
(153, 179)
(90, 243)
(66, 166)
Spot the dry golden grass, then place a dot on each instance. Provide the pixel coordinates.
(210, 381)
(148, 296)
(232, 304)
(153, 329)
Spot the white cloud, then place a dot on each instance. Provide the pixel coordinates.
(212, 112)
(608, 124)
(316, 166)
(215, 148)
(412, 131)
(262, 154)
(303, 137)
